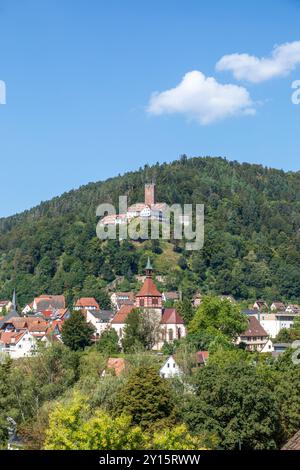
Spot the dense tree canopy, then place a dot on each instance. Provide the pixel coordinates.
(76, 332)
(251, 250)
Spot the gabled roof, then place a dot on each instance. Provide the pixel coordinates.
(254, 328)
(293, 443)
(11, 337)
(39, 326)
(171, 316)
(148, 289)
(104, 315)
(172, 295)
(46, 302)
(84, 302)
(122, 314)
(8, 316)
(137, 207)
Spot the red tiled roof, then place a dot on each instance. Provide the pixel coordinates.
(149, 289)
(170, 315)
(9, 337)
(254, 328)
(40, 326)
(87, 302)
(121, 315)
(44, 302)
(202, 356)
(117, 364)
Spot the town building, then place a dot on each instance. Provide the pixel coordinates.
(255, 338)
(170, 369)
(100, 319)
(277, 306)
(260, 305)
(121, 298)
(86, 303)
(45, 302)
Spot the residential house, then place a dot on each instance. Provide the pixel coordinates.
(293, 308)
(172, 296)
(255, 338)
(274, 322)
(5, 304)
(45, 302)
(277, 306)
(122, 298)
(17, 344)
(260, 305)
(100, 319)
(86, 303)
(197, 300)
(202, 358)
(170, 369)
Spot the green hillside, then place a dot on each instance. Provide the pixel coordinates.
(252, 235)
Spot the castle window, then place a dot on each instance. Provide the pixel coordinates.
(142, 302)
(154, 301)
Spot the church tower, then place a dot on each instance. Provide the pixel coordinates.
(149, 296)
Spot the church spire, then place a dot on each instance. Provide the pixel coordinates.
(149, 269)
(14, 301)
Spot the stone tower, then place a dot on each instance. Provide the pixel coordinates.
(150, 194)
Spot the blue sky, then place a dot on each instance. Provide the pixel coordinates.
(80, 74)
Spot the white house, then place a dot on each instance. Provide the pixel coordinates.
(17, 344)
(274, 322)
(170, 369)
(100, 319)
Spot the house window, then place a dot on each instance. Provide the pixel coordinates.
(155, 301)
(170, 335)
(168, 365)
(142, 302)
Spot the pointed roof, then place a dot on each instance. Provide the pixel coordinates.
(170, 315)
(148, 289)
(149, 267)
(122, 314)
(254, 328)
(14, 301)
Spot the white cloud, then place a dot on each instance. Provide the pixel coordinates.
(283, 60)
(202, 98)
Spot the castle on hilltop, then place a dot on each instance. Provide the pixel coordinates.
(149, 209)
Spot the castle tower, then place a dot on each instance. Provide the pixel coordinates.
(150, 194)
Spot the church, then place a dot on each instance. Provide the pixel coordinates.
(149, 301)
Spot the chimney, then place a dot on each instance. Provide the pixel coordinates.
(150, 194)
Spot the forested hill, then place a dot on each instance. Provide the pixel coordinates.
(252, 235)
